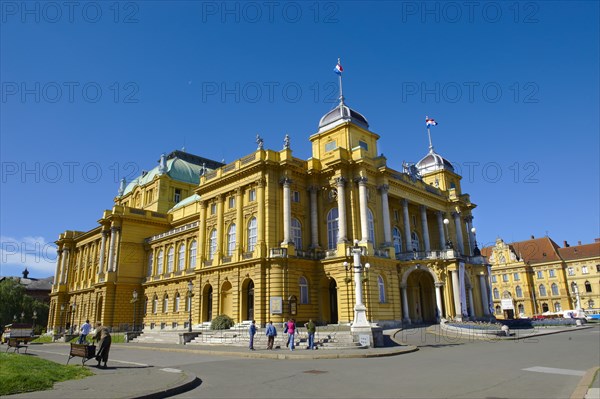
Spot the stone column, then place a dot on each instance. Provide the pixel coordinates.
(102, 254)
(314, 219)
(239, 221)
(201, 247)
(387, 228)
(471, 307)
(260, 229)
(220, 232)
(469, 222)
(456, 294)
(287, 211)
(484, 295)
(440, 221)
(58, 267)
(459, 234)
(425, 228)
(117, 234)
(438, 300)
(341, 199)
(406, 315)
(409, 246)
(65, 265)
(111, 248)
(362, 199)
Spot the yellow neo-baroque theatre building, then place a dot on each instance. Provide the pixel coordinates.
(266, 237)
(538, 276)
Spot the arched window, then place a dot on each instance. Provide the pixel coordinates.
(381, 285)
(159, 266)
(498, 309)
(181, 257)
(166, 304)
(519, 291)
(150, 263)
(557, 307)
(303, 290)
(588, 286)
(193, 254)
(371, 226)
(545, 307)
(415, 241)
(155, 304)
(521, 308)
(170, 256)
(332, 228)
(397, 238)
(554, 289)
(496, 293)
(252, 234)
(542, 290)
(176, 304)
(212, 244)
(296, 233)
(231, 239)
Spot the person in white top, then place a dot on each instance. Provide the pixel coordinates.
(84, 331)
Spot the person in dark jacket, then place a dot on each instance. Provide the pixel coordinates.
(252, 332)
(103, 336)
(271, 333)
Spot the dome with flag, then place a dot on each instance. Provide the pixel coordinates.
(433, 162)
(340, 114)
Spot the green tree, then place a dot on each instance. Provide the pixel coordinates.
(14, 301)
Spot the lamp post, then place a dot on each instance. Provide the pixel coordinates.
(190, 295)
(476, 251)
(62, 310)
(448, 242)
(22, 316)
(73, 315)
(134, 300)
(360, 310)
(33, 317)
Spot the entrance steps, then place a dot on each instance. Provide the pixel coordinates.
(158, 337)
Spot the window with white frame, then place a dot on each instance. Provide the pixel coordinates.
(150, 263)
(498, 309)
(584, 270)
(303, 290)
(231, 202)
(505, 277)
(176, 305)
(540, 274)
(177, 196)
(571, 271)
(415, 241)
(252, 195)
(181, 257)
(213, 209)
(212, 244)
(494, 278)
(160, 259)
(251, 234)
(397, 238)
(231, 240)
(381, 286)
(496, 293)
(542, 290)
(554, 289)
(193, 246)
(521, 308)
(332, 228)
(296, 233)
(516, 276)
(557, 307)
(371, 226)
(166, 304)
(519, 291)
(170, 256)
(155, 304)
(551, 273)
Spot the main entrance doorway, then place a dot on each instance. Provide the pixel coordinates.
(421, 297)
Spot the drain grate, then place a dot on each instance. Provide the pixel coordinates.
(315, 372)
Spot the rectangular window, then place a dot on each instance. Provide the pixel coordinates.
(252, 195)
(551, 273)
(505, 277)
(177, 196)
(332, 145)
(540, 274)
(493, 278)
(213, 209)
(598, 268)
(295, 196)
(571, 271)
(231, 202)
(516, 276)
(584, 269)
(414, 220)
(363, 145)
(396, 215)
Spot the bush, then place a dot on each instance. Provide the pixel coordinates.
(222, 322)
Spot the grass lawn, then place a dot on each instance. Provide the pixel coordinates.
(24, 373)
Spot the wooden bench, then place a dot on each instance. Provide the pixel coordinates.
(85, 352)
(17, 343)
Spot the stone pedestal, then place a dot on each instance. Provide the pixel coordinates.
(367, 335)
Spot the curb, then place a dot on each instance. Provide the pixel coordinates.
(466, 335)
(191, 382)
(584, 384)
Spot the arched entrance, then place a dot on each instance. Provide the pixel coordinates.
(420, 295)
(207, 301)
(248, 300)
(99, 310)
(227, 299)
(333, 302)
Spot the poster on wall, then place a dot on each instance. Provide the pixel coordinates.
(276, 305)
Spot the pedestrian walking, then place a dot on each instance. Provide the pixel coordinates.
(84, 331)
(291, 330)
(103, 336)
(311, 328)
(252, 332)
(271, 334)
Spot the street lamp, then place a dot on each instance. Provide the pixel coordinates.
(33, 319)
(190, 295)
(62, 309)
(476, 251)
(360, 310)
(73, 315)
(22, 316)
(448, 242)
(134, 300)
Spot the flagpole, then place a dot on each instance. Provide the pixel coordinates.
(429, 135)
(340, 78)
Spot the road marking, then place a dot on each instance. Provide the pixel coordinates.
(170, 370)
(551, 370)
(112, 360)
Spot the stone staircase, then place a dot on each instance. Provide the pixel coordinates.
(158, 337)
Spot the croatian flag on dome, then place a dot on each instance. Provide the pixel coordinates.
(338, 68)
(430, 122)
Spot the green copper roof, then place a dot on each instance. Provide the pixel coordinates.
(177, 169)
(186, 201)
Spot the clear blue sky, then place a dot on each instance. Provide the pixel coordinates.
(98, 91)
